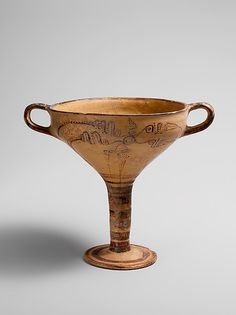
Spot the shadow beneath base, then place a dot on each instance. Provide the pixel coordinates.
(36, 250)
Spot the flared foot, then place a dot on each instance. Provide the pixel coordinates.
(137, 257)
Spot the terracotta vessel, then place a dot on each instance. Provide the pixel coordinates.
(119, 137)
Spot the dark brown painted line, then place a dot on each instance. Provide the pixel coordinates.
(119, 183)
(96, 256)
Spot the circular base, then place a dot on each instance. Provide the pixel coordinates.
(137, 257)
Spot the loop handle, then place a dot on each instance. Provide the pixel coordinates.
(30, 123)
(205, 124)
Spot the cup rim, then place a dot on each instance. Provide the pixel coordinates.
(51, 107)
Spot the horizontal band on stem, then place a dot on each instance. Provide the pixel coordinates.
(120, 183)
(120, 240)
(119, 247)
(120, 230)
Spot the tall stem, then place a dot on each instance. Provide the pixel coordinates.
(119, 195)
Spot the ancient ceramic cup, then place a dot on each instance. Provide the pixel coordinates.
(119, 137)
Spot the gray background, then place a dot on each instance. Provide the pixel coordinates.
(53, 205)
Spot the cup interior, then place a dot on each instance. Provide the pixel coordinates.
(120, 106)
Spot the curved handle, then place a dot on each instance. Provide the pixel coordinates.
(30, 123)
(206, 123)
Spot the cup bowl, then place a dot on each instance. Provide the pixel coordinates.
(118, 136)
